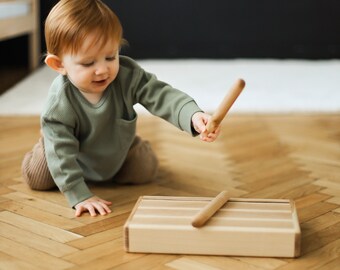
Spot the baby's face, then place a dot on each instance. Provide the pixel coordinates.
(93, 67)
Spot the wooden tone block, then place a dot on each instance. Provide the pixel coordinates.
(242, 227)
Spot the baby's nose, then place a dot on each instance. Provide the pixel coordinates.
(101, 68)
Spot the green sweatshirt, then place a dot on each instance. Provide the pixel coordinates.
(90, 142)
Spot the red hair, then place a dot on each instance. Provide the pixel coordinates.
(70, 21)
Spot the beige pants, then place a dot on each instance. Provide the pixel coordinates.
(139, 167)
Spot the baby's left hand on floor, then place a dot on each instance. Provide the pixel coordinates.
(93, 205)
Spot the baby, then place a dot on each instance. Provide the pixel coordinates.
(89, 123)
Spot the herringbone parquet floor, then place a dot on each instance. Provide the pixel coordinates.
(264, 156)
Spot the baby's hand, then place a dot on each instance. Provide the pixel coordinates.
(93, 205)
(199, 122)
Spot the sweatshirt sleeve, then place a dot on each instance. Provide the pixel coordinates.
(162, 100)
(61, 150)
(59, 124)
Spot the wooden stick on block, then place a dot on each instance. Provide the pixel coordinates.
(225, 105)
(210, 209)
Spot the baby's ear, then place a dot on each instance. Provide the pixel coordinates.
(55, 63)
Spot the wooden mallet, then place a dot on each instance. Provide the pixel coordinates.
(210, 209)
(225, 105)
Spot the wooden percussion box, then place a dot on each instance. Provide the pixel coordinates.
(241, 227)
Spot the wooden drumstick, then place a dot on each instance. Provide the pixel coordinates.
(225, 105)
(210, 209)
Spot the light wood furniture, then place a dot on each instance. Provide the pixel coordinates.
(27, 24)
(242, 227)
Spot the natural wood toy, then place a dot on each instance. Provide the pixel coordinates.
(225, 105)
(241, 227)
(210, 209)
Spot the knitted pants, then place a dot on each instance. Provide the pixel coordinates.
(139, 167)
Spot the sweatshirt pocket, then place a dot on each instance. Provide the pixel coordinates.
(126, 132)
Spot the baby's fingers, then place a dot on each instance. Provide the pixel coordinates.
(102, 208)
(91, 208)
(79, 210)
(210, 137)
(84, 208)
(104, 202)
(93, 205)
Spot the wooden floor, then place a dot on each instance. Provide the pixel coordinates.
(294, 157)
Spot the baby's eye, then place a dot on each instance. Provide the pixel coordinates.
(87, 64)
(110, 58)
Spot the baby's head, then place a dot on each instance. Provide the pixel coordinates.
(71, 21)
